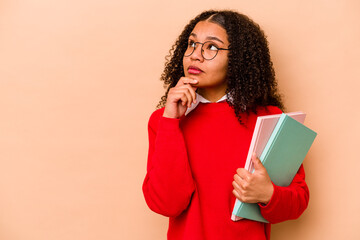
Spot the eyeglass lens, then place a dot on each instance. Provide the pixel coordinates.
(208, 50)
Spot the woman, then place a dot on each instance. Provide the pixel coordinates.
(220, 79)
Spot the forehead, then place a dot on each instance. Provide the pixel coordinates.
(206, 29)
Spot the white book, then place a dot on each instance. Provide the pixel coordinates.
(262, 132)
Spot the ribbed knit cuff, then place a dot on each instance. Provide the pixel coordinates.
(168, 124)
(273, 200)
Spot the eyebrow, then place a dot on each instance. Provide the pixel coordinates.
(208, 38)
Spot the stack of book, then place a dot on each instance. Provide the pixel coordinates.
(281, 142)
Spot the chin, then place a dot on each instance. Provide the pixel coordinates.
(196, 77)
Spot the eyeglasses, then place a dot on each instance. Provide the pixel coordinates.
(208, 49)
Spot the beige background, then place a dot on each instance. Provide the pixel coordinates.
(79, 79)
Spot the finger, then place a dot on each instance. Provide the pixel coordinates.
(186, 91)
(186, 80)
(236, 186)
(256, 161)
(236, 194)
(242, 184)
(176, 95)
(173, 95)
(191, 92)
(189, 95)
(243, 173)
(184, 99)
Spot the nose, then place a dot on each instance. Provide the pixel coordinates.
(197, 54)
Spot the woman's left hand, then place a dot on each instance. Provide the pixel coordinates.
(253, 187)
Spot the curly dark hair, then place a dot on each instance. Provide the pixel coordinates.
(250, 74)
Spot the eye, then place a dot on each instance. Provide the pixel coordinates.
(212, 47)
(191, 44)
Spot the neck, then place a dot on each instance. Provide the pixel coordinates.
(211, 94)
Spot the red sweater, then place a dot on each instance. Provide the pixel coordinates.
(191, 164)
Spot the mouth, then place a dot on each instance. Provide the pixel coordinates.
(194, 70)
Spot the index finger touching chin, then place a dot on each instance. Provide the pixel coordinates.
(186, 80)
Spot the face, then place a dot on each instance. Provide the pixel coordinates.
(211, 74)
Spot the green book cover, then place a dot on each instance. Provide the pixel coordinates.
(282, 156)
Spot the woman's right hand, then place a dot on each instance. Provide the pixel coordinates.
(180, 98)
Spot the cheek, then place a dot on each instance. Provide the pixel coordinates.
(184, 64)
(222, 69)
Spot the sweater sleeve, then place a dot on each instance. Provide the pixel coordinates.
(168, 185)
(287, 202)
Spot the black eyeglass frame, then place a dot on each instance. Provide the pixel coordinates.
(202, 45)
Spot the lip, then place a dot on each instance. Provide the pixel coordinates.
(194, 70)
